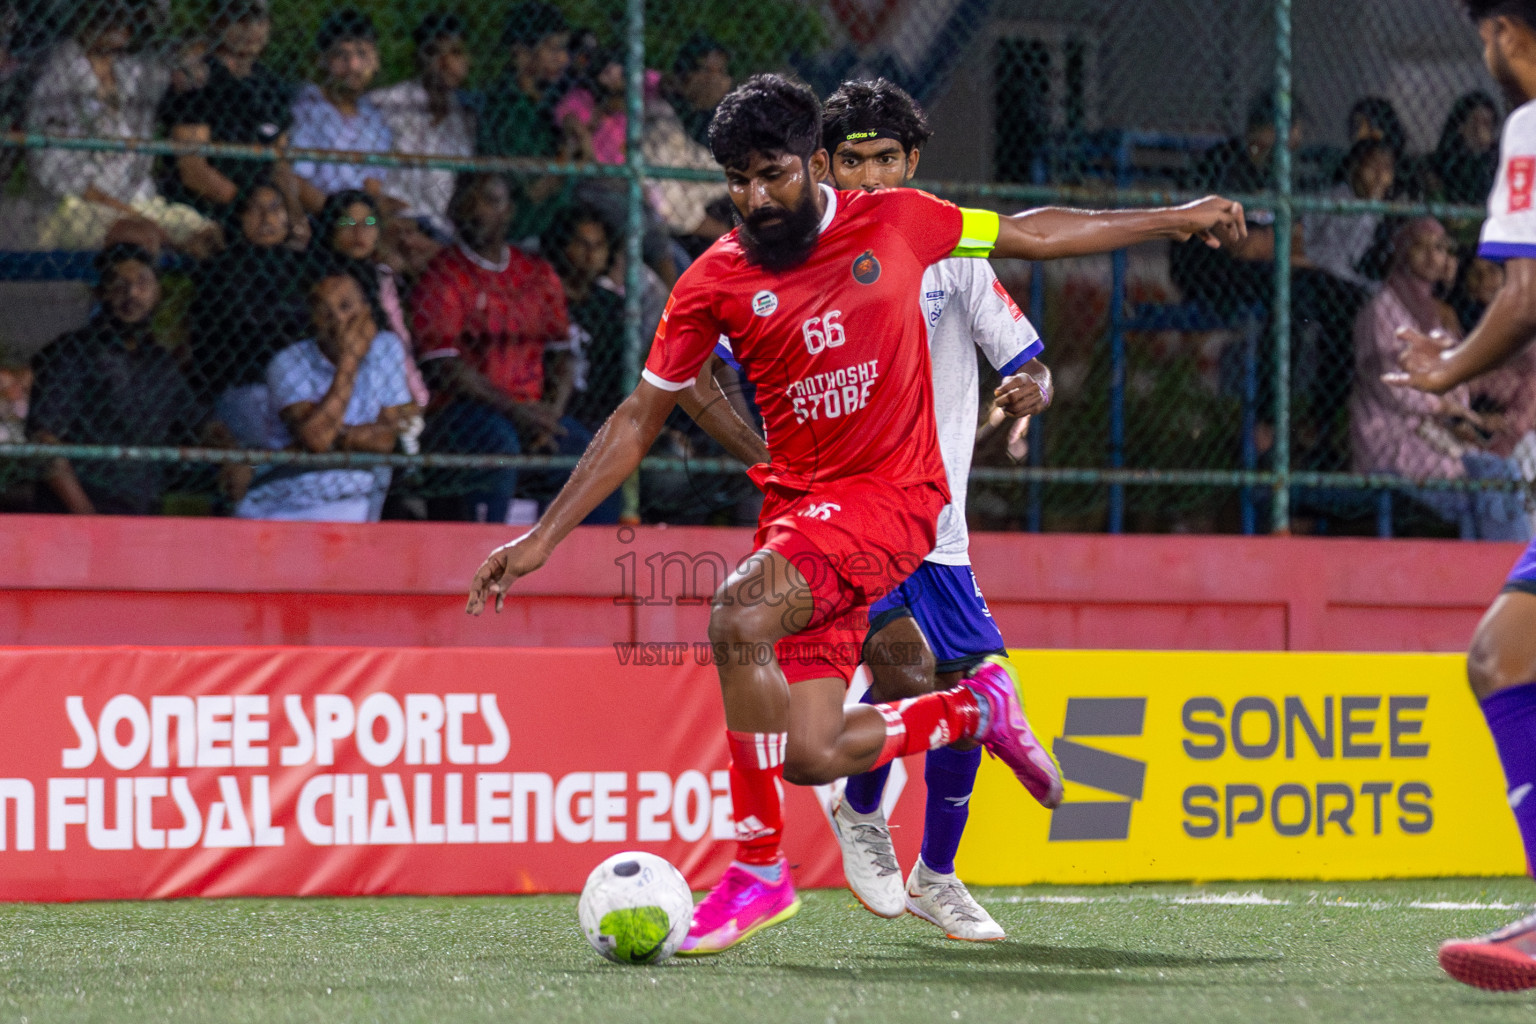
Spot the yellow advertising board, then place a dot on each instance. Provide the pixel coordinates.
(1196, 765)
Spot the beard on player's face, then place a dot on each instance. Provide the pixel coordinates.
(1504, 76)
(777, 238)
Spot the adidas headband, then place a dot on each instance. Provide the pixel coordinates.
(869, 135)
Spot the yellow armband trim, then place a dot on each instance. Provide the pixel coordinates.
(978, 234)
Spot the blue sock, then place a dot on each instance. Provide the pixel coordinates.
(864, 791)
(950, 775)
(1511, 716)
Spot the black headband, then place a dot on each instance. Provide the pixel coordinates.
(869, 135)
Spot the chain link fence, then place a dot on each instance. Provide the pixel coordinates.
(253, 259)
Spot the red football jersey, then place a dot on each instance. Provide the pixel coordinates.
(498, 319)
(837, 346)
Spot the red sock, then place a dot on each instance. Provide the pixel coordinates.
(928, 722)
(757, 793)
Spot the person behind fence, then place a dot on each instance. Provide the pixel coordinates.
(594, 122)
(408, 245)
(242, 101)
(336, 113)
(1375, 119)
(578, 245)
(1230, 281)
(351, 227)
(343, 390)
(517, 119)
(1463, 165)
(427, 115)
(248, 305)
(492, 332)
(90, 85)
(688, 208)
(112, 383)
(1240, 280)
(1346, 244)
(1411, 434)
(700, 79)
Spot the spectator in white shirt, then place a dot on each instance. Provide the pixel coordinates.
(426, 115)
(90, 85)
(342, 390)
(337, 115)
(1344, 243)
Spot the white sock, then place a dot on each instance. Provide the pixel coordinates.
(769, 873)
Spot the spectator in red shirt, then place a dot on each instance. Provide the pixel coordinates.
(492, 336)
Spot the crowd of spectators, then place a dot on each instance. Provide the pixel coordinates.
(320, 306)
(315, 305)
(1355, 279)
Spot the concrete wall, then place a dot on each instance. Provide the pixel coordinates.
(103, 580)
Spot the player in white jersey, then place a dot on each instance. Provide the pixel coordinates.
(875, 132)
(1501, 664)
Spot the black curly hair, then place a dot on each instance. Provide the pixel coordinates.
(106, 261)
(345, 26)
(562, 229)
(869, 105)
(437, 25)
(767, 114)
(1525, 10)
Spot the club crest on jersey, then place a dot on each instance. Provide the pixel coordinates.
(764, 302)
(935, 301)
(866, 269)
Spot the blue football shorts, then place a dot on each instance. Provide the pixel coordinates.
(947, 603)
(1522, 577)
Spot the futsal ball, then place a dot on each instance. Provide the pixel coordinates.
(635, 908)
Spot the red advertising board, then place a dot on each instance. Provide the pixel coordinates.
(168, 772)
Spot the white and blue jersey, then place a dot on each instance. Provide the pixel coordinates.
(1509, 233)
(1510, 230)
(966, 308)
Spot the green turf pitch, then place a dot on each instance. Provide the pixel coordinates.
(1143, 954)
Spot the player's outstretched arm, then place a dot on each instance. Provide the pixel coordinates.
(1054, 233)
(612, 456)
(1431, 362)
(711, 409)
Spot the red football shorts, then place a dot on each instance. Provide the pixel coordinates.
(855, 540)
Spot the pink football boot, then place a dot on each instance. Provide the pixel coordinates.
(1007, 735)
(740, 905)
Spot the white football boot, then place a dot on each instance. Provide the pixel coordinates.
(869, 859)
(944, 900)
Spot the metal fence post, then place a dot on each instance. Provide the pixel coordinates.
(634, 161)
(1285, 216)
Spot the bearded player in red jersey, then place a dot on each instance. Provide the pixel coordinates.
(816, 290)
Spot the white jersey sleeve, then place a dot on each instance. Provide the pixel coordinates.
(967, 308)
(998, 326)
(1510, 230)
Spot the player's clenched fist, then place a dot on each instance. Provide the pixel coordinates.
(1024, 394)
(1215, 221)
(503, 567)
